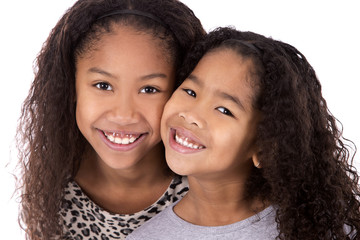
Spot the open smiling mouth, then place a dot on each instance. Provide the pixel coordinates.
(123, 139)
(187, 142)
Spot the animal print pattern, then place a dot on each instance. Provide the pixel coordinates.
(84, 220)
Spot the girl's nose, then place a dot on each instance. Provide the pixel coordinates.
(123, 112)
(192, 118)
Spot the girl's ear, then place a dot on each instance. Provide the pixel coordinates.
(256, 161)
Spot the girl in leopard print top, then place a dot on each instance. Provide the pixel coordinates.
(89, 141)
(84, 219)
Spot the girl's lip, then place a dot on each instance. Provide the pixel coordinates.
(184, 133)
(121, 147)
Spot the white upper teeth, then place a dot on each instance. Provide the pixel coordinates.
(121, 140)
(185, 142)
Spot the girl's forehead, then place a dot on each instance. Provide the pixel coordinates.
(236, 65)
(126, 50)
(225, 71)
(226, 63)
(98, 37)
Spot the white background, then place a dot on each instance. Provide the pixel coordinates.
(326, 32)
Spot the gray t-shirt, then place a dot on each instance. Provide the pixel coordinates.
(167, 225)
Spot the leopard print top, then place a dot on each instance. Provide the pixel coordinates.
(83, 219)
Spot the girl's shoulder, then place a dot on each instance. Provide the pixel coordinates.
(82, 217)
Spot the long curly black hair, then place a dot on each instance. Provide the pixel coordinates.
(306, 168)
(49, 142)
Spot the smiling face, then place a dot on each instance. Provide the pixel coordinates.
(209, 124)
(122, 85)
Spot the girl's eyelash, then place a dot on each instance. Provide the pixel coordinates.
(103, 86)
(149, 89)
(189, 92)
(225, 111)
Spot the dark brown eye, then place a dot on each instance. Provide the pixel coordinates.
(149, 90)
(225, 111)
(103, 86)
(190, 92)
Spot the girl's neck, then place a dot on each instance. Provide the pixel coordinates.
(126, 190)
(149, 169)
(214, 203)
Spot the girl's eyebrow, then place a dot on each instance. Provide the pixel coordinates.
(219, 93)
(195, 80)
(232, 98)
(146, 77)
(100, 71)
(154, 75)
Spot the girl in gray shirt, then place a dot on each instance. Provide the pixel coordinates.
(263, 155)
